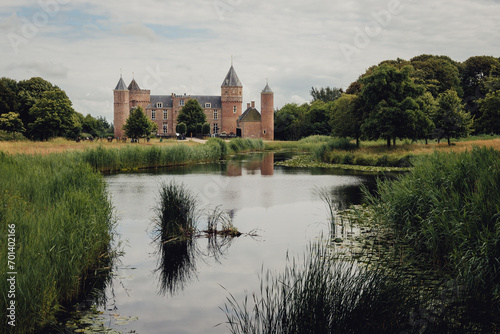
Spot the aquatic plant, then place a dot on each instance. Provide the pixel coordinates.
(61, 218)
(322, 295)
(447, 210)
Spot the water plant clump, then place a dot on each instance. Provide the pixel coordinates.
(323, 295)
(175, 213)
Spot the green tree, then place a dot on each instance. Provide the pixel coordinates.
(489, 110)
(53, 116)
(346, 117)
(191, 114)
(317, 118)
(437, 74)
(206, 129)
(451, 119)
(289, 121)
(29, 92)
(11, 122)
(388, 101)
(8, 96)
(181, 128)
(138, 125)
(325, 94)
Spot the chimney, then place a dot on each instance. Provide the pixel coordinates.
(248, 105)
(253, 104)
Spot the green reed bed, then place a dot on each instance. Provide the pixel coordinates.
(136, 157)
(322, 295)
(63, 225)
(447, 210)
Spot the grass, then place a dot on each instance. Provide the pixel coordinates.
(63, 227)
(447, 211)
(322, 296)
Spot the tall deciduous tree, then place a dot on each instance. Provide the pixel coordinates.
(53, 116)
(29, 92)
(388, 99)
(11, 122)
(489, 110)
(346, 117)
(192, 114)
(451, 119)
(138, 125)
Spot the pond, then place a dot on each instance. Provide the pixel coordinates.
(279, 206)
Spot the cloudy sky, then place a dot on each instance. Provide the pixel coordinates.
(186, 46)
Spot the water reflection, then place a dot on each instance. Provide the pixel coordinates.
(252, 164)
(177, 265)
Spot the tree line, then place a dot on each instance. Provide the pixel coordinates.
(39, 110)
(427, 97)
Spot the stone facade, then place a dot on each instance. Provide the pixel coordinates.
(224, 112)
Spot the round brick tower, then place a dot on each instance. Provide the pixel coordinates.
(231, 101)
(138, 96)
(121, 107)
(267, 113)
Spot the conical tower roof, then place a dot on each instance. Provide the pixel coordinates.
(231, 79)
(121, 85)
(267, 89)
(133, 85)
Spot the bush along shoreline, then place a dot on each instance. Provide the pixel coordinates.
(56, 214)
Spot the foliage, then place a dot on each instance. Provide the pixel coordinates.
(181, 128)
(451, 120)
(97, 127)
(206, 128)
(191, 114)
(389, 98)
(11, 122)
(489, 120)
(346, 117)
(138, 125)
(11, 136)
(326, 94)
(53, 116)
(446, 209)
(63, 225)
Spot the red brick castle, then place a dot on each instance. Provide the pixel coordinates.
(224, 113)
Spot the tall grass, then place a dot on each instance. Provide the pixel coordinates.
(63, 225)
(448, 210)
(322, 296)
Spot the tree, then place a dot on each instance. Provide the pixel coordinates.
(53, 116)
(29, 92)
(206, 129)
(138, 125)
(346, 117)
(181, 128)
(289, 122)
(437, 74)
(316, 119)
(191, 114)
(489, 110)
(451, 119)
(11, 122)
(8, 96)
(388, 101)
(326, 94)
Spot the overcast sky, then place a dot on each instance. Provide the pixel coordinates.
(186, 46)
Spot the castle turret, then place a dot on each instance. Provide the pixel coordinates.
(231, 100)
(121, 107)
(138, 96)
(267, 113)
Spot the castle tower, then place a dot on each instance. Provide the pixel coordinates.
(231, 101)
(121, 107)
(138, 96)
(267, 113)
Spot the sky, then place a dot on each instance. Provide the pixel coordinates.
(188, 46)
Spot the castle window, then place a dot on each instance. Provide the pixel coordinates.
(181, 102)
(164, 127)
(165, 114)
(159, 105)
(216, 128)
(234, 109)
(208, 105)
(153, 114)
(216, 114)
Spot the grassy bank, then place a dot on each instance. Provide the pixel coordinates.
(59, 214)
(446, 214)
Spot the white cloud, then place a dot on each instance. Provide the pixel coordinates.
(295, 44)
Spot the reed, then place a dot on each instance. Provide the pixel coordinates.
(175, 213)
(447, 210)
(322, 296)
(63, 227)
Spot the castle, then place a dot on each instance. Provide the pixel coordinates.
(224, 113)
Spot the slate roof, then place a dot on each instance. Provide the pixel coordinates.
(231, 79)
(267, 89)
(168, 102)
(121, 85)
(133, 85)
(250, 115)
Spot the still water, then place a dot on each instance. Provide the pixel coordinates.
(184, 293)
